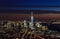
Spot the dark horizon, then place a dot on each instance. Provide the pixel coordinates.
(5, 11)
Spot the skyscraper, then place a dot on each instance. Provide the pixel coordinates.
(31, 23)
(25, 24)
(32, 18)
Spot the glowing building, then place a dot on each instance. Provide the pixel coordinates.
(25, 24)
(31, 23)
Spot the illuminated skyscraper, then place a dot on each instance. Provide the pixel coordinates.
(25, 24)
(31, 23)
(32, 18)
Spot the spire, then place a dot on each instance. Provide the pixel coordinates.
(31, 13)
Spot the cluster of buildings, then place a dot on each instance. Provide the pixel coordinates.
(30, 26)
(27, 24)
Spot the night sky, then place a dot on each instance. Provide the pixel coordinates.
(27, 4)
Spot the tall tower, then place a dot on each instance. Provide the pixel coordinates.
(32, 18)
(31, 23)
